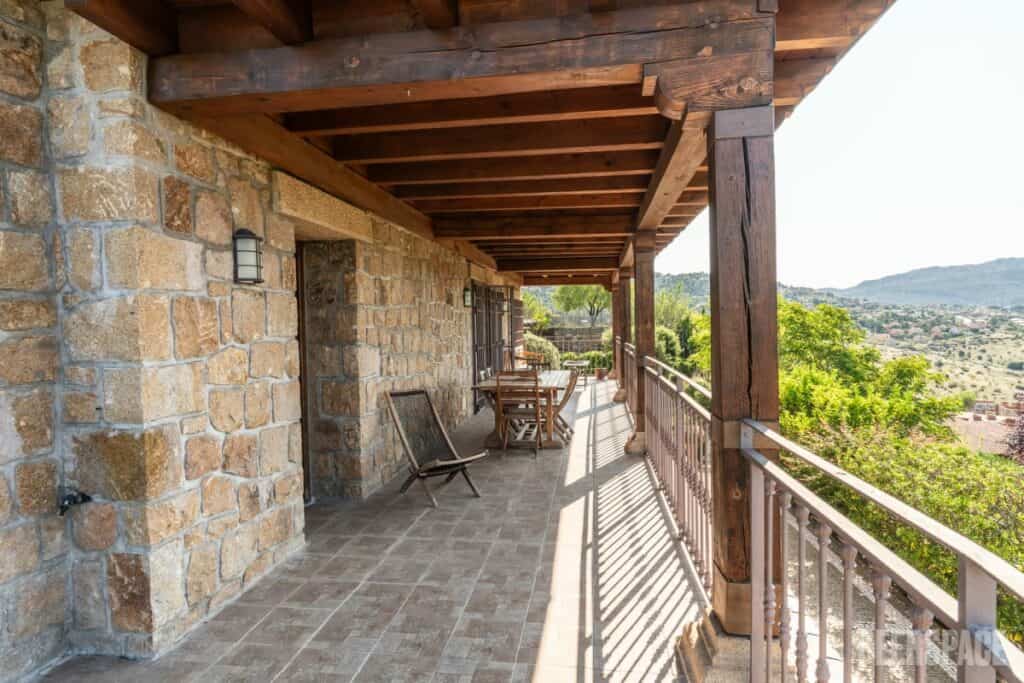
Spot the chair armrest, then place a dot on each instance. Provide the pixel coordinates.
(458, 462)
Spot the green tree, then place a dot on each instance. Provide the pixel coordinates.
(671, 307)
(593, 299)
(535, 310)
(666, 345)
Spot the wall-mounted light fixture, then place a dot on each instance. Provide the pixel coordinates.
(248, 257)
(467, 297)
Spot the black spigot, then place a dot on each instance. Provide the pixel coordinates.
(72, 497)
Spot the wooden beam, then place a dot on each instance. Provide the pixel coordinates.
(267, 139)
(502, 58)
(577, 279)
(524, 188)
(438, 13)
(470, 252)
(795, 78)
(556, 265)
(815, 24)
(683, 152)
(533, 228)
(526, 139)
(626, 259)
(531, 107)
(693, 198)
(554, 202)
(291, 21)
(148, 25)
(518, 168)
(710, 83)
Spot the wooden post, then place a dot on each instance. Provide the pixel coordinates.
(625, 327)
(616, 320)
(643, 269)
(744, 354)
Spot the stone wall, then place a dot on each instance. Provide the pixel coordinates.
(380, 316)
(33, 538)
(131, 366)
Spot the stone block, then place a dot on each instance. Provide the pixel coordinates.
(229, 366)
(137, 395)
(89, 608)
(23, 262)
(283, 315)
(128, 586)
(70, 126)
(273, 450)
(83, 259)
(122, 106)
(275, 526)
(167, 574)
(31, 201)
(248, 501)
(195, 327)
(94, 526)
(21, 134)
(227, 409)
(287, 401)
(131, 138)
(153, 523)
(52, 536)
(27, 314)
(21, 56)
(220, 265)
(21, 551)
(128, 466)
(291, 358)
(107, 194)
(245, 205)
(213, 219)
(339, 398)
(177, 205)
(241, 456)
(295, 442)
(32, 418)
(202, 456)
(195, 424)
(60, 69)
(131, 328)
(219, 495)
(39, 603)
(111, 65)
(257, 404)
(6, 500)
(80, 375)
(288, 488)
(81, 407)
(280, 233)
(36, 485)
(195, 160)
(248, 315)
(138, 258)
(201, 580)
(288, 276)
(267, 359)
(238, 550)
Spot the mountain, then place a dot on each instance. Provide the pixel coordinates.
(996, 283)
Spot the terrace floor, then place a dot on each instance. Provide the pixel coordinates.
(565, 570)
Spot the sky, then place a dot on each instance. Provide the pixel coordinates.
(910, 153)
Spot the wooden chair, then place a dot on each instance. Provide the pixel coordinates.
(519, 405)
(565, 430)
(426, 444)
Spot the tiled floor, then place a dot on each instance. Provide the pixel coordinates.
(565, 570)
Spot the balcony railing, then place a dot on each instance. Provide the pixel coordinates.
(948, 636)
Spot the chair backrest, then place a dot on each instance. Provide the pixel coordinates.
(517, 389)
(569, 389)
(423, 437)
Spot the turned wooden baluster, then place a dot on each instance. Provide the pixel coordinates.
(921, 619)
(881, 583)
(769, 584)
(801, 622)
(784, 621)
(705, 474)
(824, 534)
(849, 554)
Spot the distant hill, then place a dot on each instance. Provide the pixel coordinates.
(996, 283)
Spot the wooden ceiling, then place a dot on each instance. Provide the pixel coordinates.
(540, 135)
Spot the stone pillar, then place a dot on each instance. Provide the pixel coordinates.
(643, 295)
(744, 354)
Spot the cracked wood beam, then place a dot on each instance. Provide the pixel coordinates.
(744, 361)
(608, 48)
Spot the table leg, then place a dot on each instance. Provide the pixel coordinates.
(550, 442)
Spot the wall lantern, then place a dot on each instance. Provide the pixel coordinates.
(248, 257)
(467, 297)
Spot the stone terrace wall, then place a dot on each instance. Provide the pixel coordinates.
(33, 542)
(380, 316)
(131, 366)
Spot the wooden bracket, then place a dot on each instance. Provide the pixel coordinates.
(710, 82)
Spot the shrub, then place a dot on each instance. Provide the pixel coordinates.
(607, 340)
(666, 346)
(597, 359)
(535, 344)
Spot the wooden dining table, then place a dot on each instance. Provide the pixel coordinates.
(551, 382)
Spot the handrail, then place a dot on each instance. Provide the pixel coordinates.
(996, 567)
(689, 381)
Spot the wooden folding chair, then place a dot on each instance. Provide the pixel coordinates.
(426, 444)
(565, 430)
(519, 404)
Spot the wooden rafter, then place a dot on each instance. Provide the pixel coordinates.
(578, 279)
(557, 265)
(533, 227)
(542, 203)
(290, 21)
(148, 25)
(683, 152)
(525, 188)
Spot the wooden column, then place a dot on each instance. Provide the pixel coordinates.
(744, 354)
(616, 332)
(625, 327)
(643, 304)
